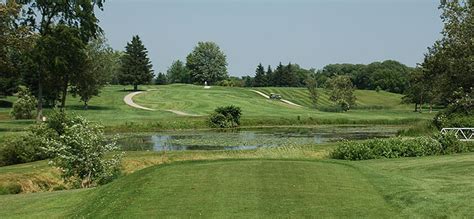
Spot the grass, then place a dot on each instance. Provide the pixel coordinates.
(366, 99)
(438, 186)
(110, 109)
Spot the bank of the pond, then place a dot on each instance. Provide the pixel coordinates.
(249, 138)
(40, 177)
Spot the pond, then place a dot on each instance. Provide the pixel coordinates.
(248, 138)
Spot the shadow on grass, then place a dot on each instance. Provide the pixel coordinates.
(89, 108)
(5, 104)
(130, 90)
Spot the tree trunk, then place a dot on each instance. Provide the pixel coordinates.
(135, 87)
(63, 99)
(416, 106)
(85, 105)
(431, 107)
(39, 109)
(421, 103)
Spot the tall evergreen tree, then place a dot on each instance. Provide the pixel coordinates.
(277, 79)
(260, 80)
(288, 76)
(136, 66)
(269, 76)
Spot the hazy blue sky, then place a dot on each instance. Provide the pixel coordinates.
(310, 33)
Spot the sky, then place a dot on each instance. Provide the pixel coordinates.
(311, 33)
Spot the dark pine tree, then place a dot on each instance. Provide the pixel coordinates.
(269, 76)
(161, 79)
(277, 78)
(260, 80)
(136, 66)
(289, 77)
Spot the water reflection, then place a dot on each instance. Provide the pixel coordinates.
(247, 139)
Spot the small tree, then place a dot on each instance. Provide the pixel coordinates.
(161, 79)
(342, 92)
(312, 86)
(25, 106)
(78, 148)
(207, 63)
(178, 73)
(136, 66)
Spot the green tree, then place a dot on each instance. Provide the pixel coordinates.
(448, 63)
(25, 105)
(44, 16)
(100, 67)
(342, 92)
(62, 54)
(419, 90)
(178, 73)
(161, 79)
(16, 42)
(269, 76)
(289, 78)
(260, 79)
(136, 66)
(277, 76)
(207, 63)
(312, 85)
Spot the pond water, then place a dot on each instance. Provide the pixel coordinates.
(249, 138)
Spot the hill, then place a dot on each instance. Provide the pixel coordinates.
(415, 187)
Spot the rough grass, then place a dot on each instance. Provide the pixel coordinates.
(438, 186)
(39, 176)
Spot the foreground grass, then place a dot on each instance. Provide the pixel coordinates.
(438, 186)
(110, 109)
(39, 176)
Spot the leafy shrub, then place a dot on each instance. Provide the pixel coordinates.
(10, 188)
(225, 117)
(451, 144)
(458, 114)
(387, 148)
(24, 107)
(23, 148)
(79, 150)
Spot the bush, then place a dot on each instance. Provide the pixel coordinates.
(11, 188)
(25, 106)
(451, 143)
(388, 148)
(23, 148)
(79, 150)
(225, 117)
(459, 114)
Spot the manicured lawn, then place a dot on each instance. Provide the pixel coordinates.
(110, 109)
(438, 186)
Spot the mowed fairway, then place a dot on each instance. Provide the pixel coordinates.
(418, 187)
(110, 109)
(196, 100)
(365, 98)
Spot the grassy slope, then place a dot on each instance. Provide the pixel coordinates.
(110, 109)
(365, 98)
(427, 187)
(195, 99)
